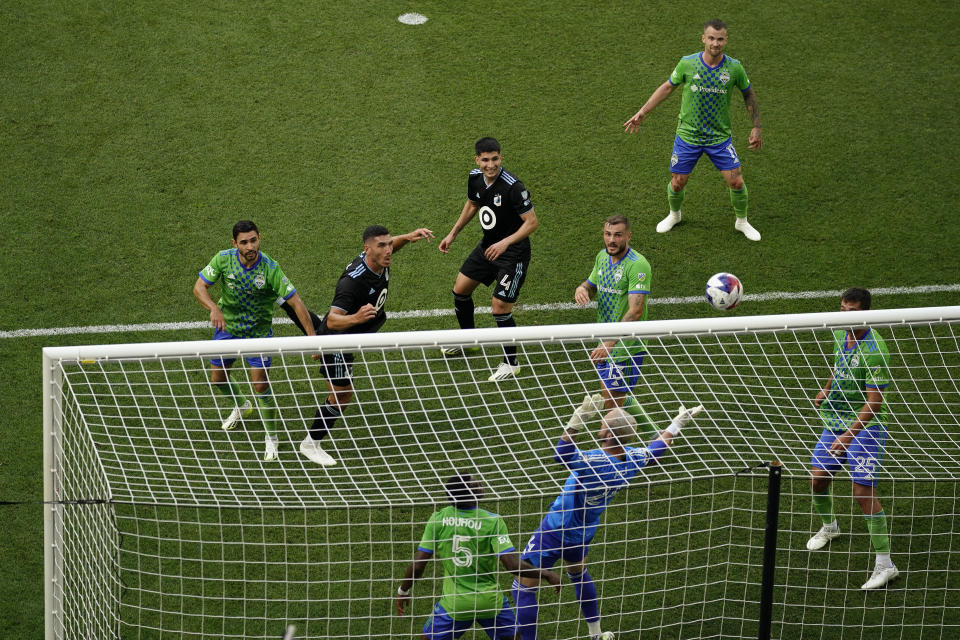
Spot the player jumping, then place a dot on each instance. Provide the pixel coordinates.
(596, 476)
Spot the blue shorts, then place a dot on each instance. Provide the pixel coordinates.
(545, 548)
(863, 456)
(621, 376)
(685, 156)
(440, 626)
(255, 362)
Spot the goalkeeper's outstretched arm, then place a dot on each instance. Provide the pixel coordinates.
(662, 442)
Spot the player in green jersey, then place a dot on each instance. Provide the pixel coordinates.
(252, 283)
(469, 541)
(621, 279)
(854, 414)
(704, 122)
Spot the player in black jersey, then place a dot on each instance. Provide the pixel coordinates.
(358, 307)
(503, 254)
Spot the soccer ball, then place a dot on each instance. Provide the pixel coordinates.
(724, 291)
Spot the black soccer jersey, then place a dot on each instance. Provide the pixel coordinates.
(499, 206)
(359, 286)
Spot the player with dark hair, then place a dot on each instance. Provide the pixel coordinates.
(503, 255)
(596, 476)
(854, 413)
(704, 123)
(468, 541)
(251, 283)
(621, 278)
(359, 306)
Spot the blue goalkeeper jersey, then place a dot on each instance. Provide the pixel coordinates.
(595, 479)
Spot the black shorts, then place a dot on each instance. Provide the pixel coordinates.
(509, 270)
(338, 368)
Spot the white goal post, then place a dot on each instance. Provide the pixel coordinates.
(158, 524)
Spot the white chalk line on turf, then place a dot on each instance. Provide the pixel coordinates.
(436, 313)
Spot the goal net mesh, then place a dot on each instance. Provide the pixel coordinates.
(162, 525)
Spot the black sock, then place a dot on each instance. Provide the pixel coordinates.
(505, 320)
(463, 305)
(326, 416)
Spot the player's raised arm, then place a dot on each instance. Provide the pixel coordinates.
(466, 215)
(417, 234)
(662, 442)
(662, 93)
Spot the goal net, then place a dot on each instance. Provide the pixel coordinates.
(161, 525)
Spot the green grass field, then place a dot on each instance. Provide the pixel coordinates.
(134, 136)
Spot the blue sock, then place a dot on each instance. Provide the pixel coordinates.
(526, 600)
(587, 595)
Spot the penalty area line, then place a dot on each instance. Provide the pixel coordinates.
(437, 313)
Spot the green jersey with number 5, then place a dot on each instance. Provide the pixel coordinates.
(469, 542)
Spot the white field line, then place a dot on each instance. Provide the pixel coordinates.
(436, 313)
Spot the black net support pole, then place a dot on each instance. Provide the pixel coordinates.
(769, 549)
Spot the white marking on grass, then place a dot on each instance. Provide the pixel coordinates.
(412, 18)
(437, 313)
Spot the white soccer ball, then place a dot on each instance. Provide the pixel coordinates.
(724, 291)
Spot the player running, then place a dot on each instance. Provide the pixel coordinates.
(621, 278)
(252, 283)
(854, 414)
(596, 476)
(503, 254)
(359, 306)
(469, 541)
(703, 126)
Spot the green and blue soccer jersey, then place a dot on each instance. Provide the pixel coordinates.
(615, 281)
(705, 108)
(247, 295)
(865, 365)
(469, 543)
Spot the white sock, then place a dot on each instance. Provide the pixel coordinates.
(883, 560)
(593, 628)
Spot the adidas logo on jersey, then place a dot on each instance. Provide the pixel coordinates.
(372, 291)
(696, 76)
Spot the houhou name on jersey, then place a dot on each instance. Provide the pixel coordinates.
(462, 522)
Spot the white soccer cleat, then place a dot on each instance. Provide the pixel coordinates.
(747, 229)
(457, 350)
(503, 372)
(686, 415)
(880, 577)
(667, 223)
(820, 539)
(311, 449)
(270, 453)
(243, 411)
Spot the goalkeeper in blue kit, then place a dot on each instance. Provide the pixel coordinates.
(596, 476)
